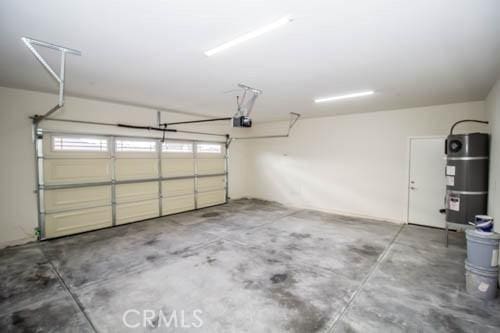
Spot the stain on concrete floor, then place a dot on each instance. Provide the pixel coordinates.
(250, 265)
(210, 214)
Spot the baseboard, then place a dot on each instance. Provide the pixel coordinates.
(334, 211)
(16, 242)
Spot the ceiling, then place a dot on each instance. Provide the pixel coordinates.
(150, 52)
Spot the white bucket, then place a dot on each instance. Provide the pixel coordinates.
(482, 248)
(481, 283)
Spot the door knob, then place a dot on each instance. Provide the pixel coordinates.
(413, 188)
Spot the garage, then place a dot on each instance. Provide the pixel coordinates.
(238, 166)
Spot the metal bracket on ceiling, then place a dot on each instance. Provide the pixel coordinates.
(294, 117)
(30, 42)
(245, 102)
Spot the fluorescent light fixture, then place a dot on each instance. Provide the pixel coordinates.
(335, 98)
(256, 33)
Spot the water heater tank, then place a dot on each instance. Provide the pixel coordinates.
(466, 176)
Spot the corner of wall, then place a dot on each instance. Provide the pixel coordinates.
(493, 113)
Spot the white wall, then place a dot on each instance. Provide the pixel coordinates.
(493, 109)
(18, 213)
(352, 164)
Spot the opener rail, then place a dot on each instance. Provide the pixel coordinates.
(294, 117)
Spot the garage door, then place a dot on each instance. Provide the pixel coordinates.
(89, 182)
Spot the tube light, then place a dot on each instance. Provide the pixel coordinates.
(250, 35)
(335, 98)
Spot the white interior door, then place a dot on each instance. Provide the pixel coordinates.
(427, 185)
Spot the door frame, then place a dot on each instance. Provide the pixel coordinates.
(408, 168)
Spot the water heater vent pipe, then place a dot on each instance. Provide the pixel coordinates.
(467, 121)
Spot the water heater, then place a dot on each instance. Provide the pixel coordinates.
(466, 176)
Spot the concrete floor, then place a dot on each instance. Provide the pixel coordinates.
(250, 266)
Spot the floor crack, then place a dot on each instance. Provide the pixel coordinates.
(73, 296)
(331, 328)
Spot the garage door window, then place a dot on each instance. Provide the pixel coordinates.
(76, 143)
(210, 148)
(177, 147)
(135, 146)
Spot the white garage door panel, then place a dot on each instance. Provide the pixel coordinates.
(210, 166)
(136, 211)
(137, 192)
(173, 188)
(206, 184)
(60, 224)
(132, 155)
(77, 198)
(126, 175)
(211, 198)
(177, 167)
(135, 168)
(66, 171)
(177, 204)
(177, 155)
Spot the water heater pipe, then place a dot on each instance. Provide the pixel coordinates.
(467, 121)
